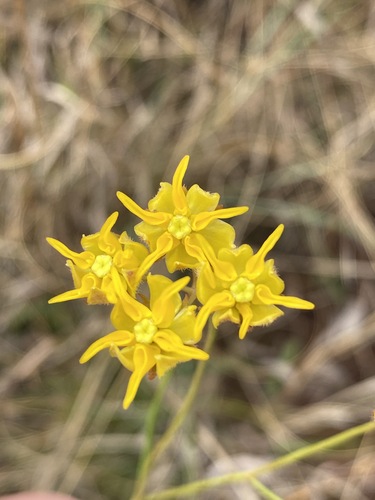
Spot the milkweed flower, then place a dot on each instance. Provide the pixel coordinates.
(183, 225)
(92, 269)
(150, 338)
(252, 297)
(186, 228)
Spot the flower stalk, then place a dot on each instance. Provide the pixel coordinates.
(175, 425)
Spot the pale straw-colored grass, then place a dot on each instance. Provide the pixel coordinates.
(275, 103)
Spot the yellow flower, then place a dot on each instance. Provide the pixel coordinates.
(250, 299)
(183, 225)
(150, 339)
(92, 269)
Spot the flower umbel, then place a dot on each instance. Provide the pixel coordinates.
(92, 269)
(252, 297)
(155, 331)
(150, 338)
(183, 225)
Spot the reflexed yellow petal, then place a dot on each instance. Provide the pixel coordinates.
(246, 317)
(69, 295)
(108, 241)
(183, 325)
(264, 315)
(126, 261)
(163, 201)
(108, 288)
(193, 248)
(169, 342)
(108, 224)
(265, 296)
(166, 304)
(89, 281)
(164, 363)
(201, 201)
(153, 218)
(197, 246)
(120, 338)
(178, 258)
(120, 319)
(164, 245)
(148, 233)
(178, 192)
(90, 243)
(104, 241)
(219, 235)
(270, 278)
(200, 221)
(230, 314)
(124, 355)
(139, 250)
(144, 360)
(133, 308)
(84, 260)
(206, 284)
(221, 300)
(157, 283)
(255, 265)
(77, 273)
(238, 257)
(131, 257)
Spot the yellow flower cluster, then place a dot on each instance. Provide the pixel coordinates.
(185, 227)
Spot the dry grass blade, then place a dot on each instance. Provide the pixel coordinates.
(275, 104)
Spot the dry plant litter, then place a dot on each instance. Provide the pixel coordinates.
(274, 101)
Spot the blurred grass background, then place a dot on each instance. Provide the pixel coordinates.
(275, 102)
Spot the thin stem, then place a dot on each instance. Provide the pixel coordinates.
(151, 417)
(176, 423)
(307, 451)
(263, 490)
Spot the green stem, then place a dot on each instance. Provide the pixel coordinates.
(307, 451)
(263, 490)
(152, 414)
(176, 423)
